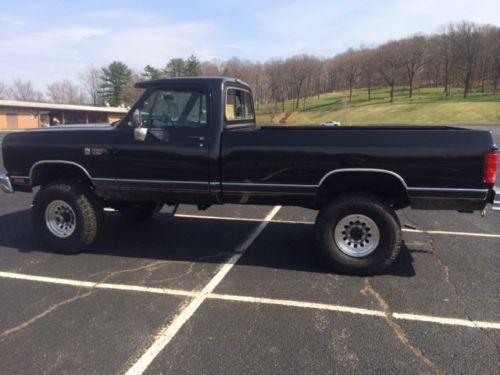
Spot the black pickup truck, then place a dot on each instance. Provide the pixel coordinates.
(195, 141)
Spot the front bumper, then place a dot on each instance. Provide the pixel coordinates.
(496, 199)
(5, 184)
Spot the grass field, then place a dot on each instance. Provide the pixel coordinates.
(428, 106)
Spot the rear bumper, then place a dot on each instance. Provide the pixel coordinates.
(5, 184)
(496, 199)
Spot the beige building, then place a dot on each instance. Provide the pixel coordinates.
(28, 115)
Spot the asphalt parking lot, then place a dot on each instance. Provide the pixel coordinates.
(239, 289)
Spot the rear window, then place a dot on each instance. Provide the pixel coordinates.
(239, 105)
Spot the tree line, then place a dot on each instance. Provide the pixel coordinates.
(463, 55)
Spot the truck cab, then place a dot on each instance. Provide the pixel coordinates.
(168, 147)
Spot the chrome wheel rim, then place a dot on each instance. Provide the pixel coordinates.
(356, 235)
(60, 219)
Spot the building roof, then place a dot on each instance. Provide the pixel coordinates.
(193, 80)
(65, 107)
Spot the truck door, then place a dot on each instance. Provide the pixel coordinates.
(171, 162)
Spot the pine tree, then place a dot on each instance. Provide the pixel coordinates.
(150, 72)
(115, 77)
(176, 68)
(193, 66)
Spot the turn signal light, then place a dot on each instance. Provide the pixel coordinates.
(490, 167)
(20, 181)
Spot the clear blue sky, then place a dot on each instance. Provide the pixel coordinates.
(43, 41)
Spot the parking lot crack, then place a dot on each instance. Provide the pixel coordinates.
(37, 261)
(77, 297)
(398, 330)
(44, 313)
(447, 277)
(156, 265)
(147, 266)
(459, 297)
(191, 266)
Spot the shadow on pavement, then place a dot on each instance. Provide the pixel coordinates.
(280, 246)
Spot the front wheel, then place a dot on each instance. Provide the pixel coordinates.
(67, 217)
(358, 234)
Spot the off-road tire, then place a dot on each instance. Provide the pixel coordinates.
(372, 207)
(87, 209)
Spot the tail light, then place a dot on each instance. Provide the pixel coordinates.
(490, 167)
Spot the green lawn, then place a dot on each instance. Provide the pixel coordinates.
(428, 106)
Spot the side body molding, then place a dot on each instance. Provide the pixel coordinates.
(370, 170)
(34, 166)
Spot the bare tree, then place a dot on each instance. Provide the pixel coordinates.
(368, 70)
(258, 79)
(25, 91)
(467, 41)
(431, 67)
(91, 80)
(486, 55)
(212, 68)
(413, 50)
(318, 78)
(237, 68)
(332, 74)
(275, 73)
(350, 66)
(65, 92)
(390, 61)
(447, 60)
(249, 72)
(495, 61)
(298, 68)
(3, 91)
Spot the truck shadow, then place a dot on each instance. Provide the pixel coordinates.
(280, 246)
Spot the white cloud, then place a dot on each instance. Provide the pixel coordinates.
(12, 21)
(59, 53)
(45, 49)
(139, 46)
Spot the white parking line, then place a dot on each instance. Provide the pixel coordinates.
(168, 332)
(248, 299)
(358, 311)
(96, 285)
(449, 233)
(302, 304)
(470, 234)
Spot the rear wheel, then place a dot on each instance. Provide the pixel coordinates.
(358, 234)
(67, 217)
(139, 211)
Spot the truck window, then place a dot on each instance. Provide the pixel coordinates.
(164, 108)
(146, 108)
(239, 105)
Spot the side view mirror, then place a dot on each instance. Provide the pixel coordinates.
(136, 119)
(140, 134)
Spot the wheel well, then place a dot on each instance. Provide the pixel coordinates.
(43, 174)
(386, 186)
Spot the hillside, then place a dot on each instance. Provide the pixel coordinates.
(428, 106)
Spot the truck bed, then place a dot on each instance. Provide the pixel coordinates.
(434, 162)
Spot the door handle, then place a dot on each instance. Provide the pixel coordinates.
(197, 137)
